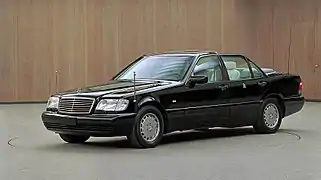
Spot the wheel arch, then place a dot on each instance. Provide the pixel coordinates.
(151, 101)
(280, 99)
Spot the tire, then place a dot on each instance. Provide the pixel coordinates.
(148, 129)
(74, 139)
(270, 117)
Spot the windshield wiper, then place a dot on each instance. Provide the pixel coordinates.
(124, 79)
(145, 79)
(154, 80)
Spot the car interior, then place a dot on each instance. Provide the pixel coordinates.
(205, 67)
(237, 69)
(236, 72)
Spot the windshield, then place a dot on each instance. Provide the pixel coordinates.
(171, 68)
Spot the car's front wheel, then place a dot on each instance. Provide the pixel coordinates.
(148, 129)
(270, 117)
(74, 139)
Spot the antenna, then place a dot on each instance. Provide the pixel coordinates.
(134, 87)
(56, 81)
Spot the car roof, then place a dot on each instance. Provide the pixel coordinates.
(189, 53)
(181, 53)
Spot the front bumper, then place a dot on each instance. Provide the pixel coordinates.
(93, 125)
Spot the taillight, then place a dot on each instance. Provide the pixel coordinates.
(300, 88)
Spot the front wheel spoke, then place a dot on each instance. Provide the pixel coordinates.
(154, 132)
(149, 127)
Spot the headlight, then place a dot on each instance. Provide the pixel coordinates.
(53, 103)
(112, 105)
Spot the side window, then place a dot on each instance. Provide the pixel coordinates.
(210, 67)
(256, 71)
(237, 68)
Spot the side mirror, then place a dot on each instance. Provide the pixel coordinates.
(198, 79)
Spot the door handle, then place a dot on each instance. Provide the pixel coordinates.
(262, 84)
(223, 87)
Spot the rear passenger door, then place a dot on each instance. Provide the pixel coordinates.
(246, 91)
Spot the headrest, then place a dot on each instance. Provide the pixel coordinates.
(230, 65)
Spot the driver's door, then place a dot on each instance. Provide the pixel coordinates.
(207, 102)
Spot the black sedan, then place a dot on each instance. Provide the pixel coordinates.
(176, 91)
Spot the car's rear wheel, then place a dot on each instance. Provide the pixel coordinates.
(270, 117)
(148, 129)
(74, 139)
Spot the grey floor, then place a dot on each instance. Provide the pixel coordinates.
(29, 152)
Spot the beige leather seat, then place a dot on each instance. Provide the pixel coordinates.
(233, 73)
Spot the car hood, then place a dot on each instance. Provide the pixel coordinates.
(113, 88)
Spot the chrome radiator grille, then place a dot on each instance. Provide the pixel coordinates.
(75, 105)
